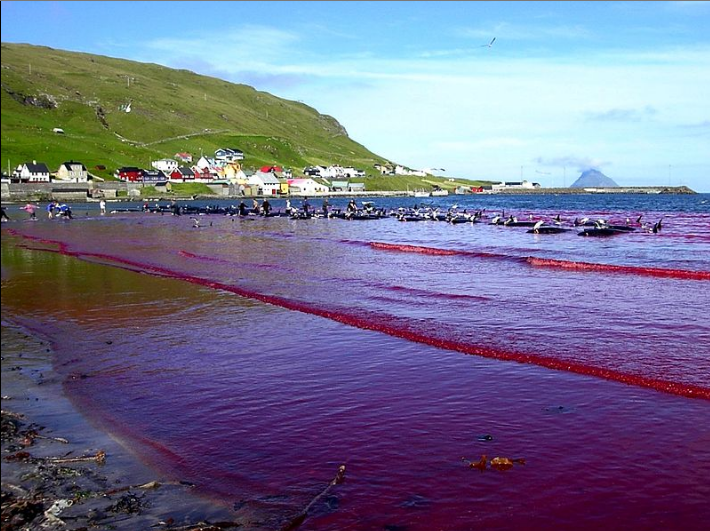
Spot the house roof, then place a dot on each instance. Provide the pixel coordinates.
(153, 173)
(37, 167)
(68, 165)
(266, 178)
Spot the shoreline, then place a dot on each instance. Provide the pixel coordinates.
(33, 194)
(59, 470)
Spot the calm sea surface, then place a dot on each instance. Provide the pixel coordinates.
(254, 356)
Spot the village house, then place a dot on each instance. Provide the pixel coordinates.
(32, 172)
(332, 172)
(314, 171)
(154, 177)
(232, 172)
(165, 165)
(306, 187)
(339, 186)
(207, 170)
(384, 169)
(224, 155)
(517, 185)
(351, 172)
(184, 156)
(204, 162)
(201, 174)
(129, 174)
(266, 182)
(72, 171)
(182, 174)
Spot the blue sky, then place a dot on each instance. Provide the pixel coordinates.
(618, 86)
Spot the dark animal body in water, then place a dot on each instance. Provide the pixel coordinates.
(519, 223)
(623, 228)
(548, 229)
(603, 231)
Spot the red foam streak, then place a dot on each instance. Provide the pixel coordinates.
(381, 325)
(552, 263)
(609, 268)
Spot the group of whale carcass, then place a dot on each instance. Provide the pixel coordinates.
(589, 227)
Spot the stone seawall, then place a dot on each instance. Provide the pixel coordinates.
(93, 191)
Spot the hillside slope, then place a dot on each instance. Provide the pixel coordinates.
(170, 111)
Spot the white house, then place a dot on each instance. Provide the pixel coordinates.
(204, 163)
(332, 172)
(224, 155)
(266, 183)
(519, 185)
(306, 187)
(165, 165)
(32, 172)
(73, 171)
(349, 171)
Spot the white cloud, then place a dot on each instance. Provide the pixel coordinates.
(480, 114)
(622, 115)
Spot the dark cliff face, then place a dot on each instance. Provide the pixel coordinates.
(593, 178)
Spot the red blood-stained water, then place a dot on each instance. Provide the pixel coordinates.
(254, 357)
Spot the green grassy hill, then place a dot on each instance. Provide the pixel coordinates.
(171, 111)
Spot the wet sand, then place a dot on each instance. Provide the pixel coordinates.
(54, 474)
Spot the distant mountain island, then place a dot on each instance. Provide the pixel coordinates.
(593, 179)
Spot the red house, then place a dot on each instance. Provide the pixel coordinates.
(182, 174)
(202, 173)
(129, 174)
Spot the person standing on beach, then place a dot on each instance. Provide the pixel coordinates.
(50, 209)
(31, 210)
(306, 206)
(325, 207)
(265, 207)
(4, 216)
(102, 206)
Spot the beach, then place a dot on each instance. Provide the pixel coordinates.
(53, 473)
(466, 375)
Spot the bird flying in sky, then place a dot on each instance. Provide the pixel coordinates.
(489, 44)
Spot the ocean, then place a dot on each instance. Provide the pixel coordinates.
(254, 356)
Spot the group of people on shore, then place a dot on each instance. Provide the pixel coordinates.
(54, 209)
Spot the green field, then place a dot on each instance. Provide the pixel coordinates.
(170, 111)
